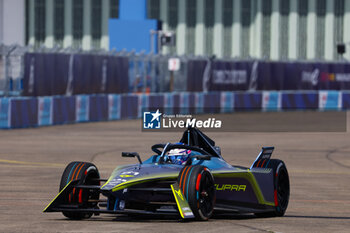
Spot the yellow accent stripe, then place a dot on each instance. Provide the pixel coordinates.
(113, 174)
(31, 163)
(142, 180)
(177, 202)
(57, 196)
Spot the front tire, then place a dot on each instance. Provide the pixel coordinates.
(197, 185)
(87, 174)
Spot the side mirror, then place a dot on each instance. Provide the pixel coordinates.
(132, 154)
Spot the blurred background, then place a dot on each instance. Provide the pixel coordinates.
(65, 61)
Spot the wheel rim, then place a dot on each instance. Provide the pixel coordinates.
(206, 195)
(283, 189)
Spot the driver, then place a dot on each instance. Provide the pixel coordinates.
(179, 156)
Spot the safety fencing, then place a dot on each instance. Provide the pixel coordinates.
(11, 69)
(75, 73)
(252, 75)
(57, 71)
(20, 112)
(45, 72)
(71, 74)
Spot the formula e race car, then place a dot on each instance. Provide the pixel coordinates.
(189, 179)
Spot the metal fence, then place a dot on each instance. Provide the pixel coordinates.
(150, 73)
(147, 72)
(11, 69)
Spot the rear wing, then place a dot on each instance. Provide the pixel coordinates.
(263, 157)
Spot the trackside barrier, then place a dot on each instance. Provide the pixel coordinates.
(45, 114)
(5, 113)
(64, 109)
(21, 112)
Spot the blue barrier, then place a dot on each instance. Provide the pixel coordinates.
(271, 101)
(227, 101)
(45, 114)
(248, 101)
(155, 101)
(129, 107)
(330, 100)
(143, 104)
(212, 102)
(82, 105)
(184, 103)
(168, 102)
(300, 101)
(24, 112)
(114, 107)
(63, 110)
(199, 102)
(20, 112)
(5, 113)
(345, 101)
(98, 109)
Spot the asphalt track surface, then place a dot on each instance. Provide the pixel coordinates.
(32, 161)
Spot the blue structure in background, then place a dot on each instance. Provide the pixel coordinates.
(132, 9)
(132, 30)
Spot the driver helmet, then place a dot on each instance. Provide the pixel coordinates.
(179, 156)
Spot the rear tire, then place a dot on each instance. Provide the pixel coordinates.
(197, 185)
(281, 188)
(87, 174)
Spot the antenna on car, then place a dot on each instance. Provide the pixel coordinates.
(188, 137)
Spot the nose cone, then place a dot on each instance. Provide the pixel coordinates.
(135, 174)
